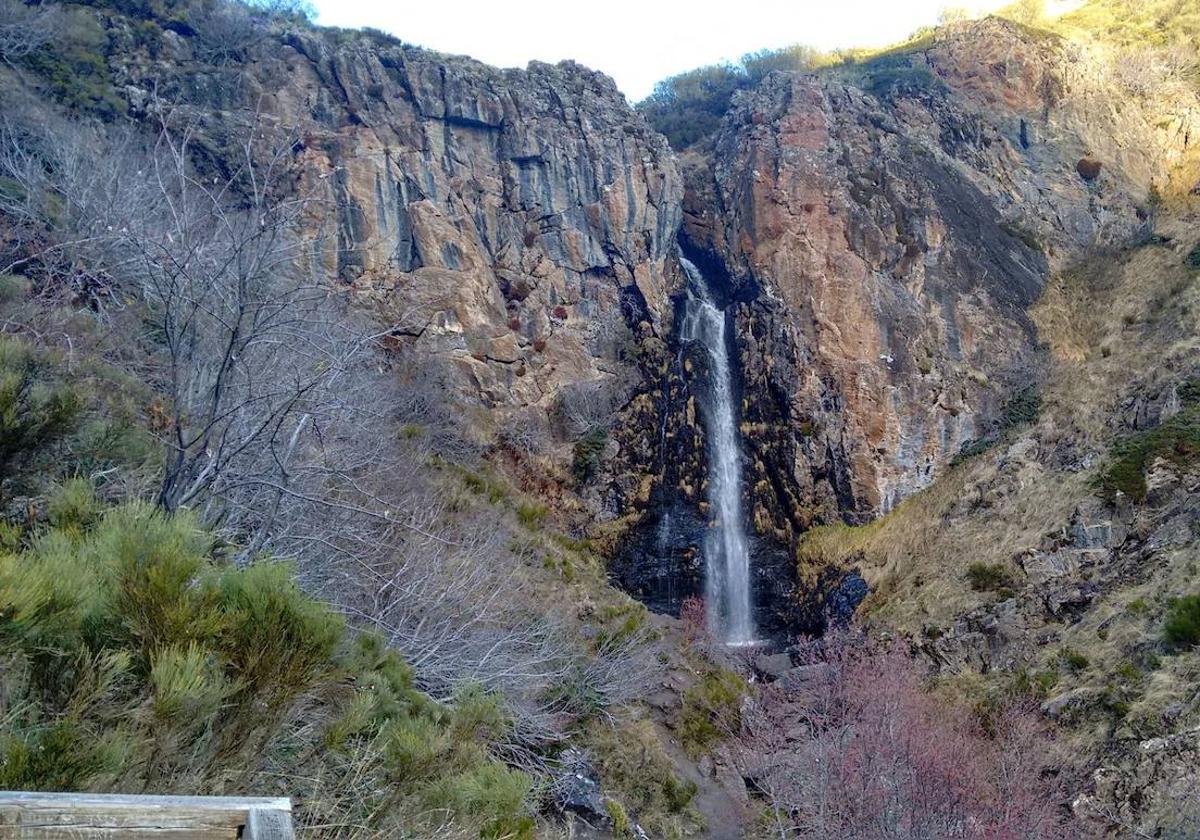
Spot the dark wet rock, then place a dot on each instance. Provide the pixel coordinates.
(577, 788)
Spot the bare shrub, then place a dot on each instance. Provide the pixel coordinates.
(288, 432)
(584, 406)
(25, 29)
(227, 30)
(854, 746)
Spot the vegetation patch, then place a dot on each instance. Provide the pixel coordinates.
(711, 711)
(134, 657)
(631, 760)
(37, 406)
(1176, 440)
(1192, 260)
(1022, 409)
(588, 450)
(990, 577)
(1182, 627)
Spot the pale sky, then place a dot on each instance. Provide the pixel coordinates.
(637, 42)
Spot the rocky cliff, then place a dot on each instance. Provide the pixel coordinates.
(512, 226)
(899, 219)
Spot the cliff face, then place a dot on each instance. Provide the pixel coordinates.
(883, 229)
(513, 225)
(899, 219)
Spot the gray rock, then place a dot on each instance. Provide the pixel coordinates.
(773, 665)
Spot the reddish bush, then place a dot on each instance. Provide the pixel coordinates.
(514, 324)
(692, 614)
(1088, 169)
(559, 312)
(539, 345)
(853, 745)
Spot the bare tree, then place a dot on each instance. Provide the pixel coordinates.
(25, 29)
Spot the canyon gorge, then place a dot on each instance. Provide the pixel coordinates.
(869, 356)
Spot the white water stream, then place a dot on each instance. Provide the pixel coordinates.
(726, 550)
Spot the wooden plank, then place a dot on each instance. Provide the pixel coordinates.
(206, 803)
(268, 824)
(90, 832)
(41, 816)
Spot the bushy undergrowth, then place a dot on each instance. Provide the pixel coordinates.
(57, 421)
(135, 658)
(989, 577)
(588, 450)
(866, 747)
(1022, 409)
(634, 767)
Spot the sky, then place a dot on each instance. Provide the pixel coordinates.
(637, 42)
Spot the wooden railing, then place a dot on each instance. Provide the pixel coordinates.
(88, 816)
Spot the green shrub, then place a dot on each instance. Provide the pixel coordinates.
(588, 450)
(1137, 606)
(276, 640)
(900, 79)
(1189, 391)
(1073, 659)
(1023, 408)
(635, 768)
(482, 485)
(131, 654)
(59, 756)
(1177, 440)
(11, 288)
(73, 69)
(687, 108)
(36, 406)
(531, 515)
(1181, 630)
(1034, 683)
(74, 507)
(490, 793)
(989, 577)
(1192, 260)
(711, 711)
(622, 827)
(187, 684)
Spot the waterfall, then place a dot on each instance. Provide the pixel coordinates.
(726, 551)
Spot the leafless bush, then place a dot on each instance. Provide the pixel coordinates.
(26, 29)
(1146, 71)
(526, 433)
(583, 406)
(856, 747)
(71, 190)
(226, 31)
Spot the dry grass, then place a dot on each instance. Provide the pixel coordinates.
(1134, 23)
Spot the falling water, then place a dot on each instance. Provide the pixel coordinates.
(726, 554)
